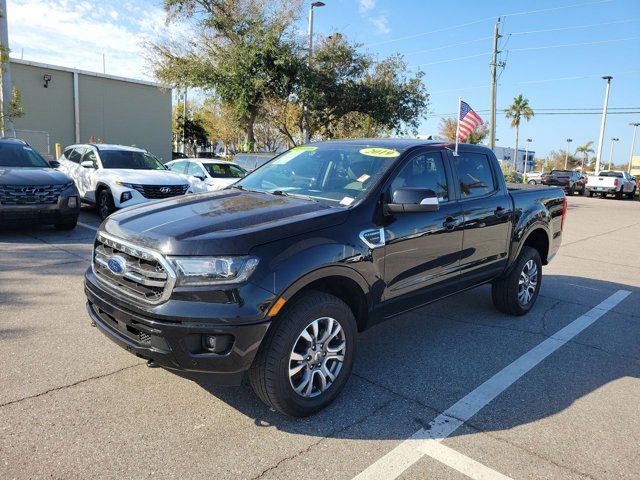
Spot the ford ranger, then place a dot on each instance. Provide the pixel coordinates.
(272, 278)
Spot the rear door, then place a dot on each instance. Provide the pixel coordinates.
(71, 165)
(88, 175)
(422, 252)
(487, 211)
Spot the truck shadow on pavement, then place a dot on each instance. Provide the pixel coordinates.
(415, 367)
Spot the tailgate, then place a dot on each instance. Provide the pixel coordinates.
(601, 182)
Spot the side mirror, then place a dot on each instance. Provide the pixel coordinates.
(408, 199)
(200, 177)
(54, 163)
(88, 164)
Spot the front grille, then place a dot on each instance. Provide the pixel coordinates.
(161, 191)
(30, 194)
(143, 274)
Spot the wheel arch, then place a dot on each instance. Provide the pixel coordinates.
(342, 282)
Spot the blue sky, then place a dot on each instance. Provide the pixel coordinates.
(455, 58)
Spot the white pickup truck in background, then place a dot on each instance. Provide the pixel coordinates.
(611, 182)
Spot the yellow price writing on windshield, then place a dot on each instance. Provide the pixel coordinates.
(380, 152)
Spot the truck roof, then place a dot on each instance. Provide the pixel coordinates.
(401, 143)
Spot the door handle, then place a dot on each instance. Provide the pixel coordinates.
(500, 211)
(450, 223)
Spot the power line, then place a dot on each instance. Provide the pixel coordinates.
(575, 27)
(600, 42)
(450, 60)
(448, 46)
(482, 20)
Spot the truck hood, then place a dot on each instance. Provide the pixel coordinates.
(32, 176)
(144, 177)
(227, 222)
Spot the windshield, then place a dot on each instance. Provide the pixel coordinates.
(217, 170)
(19, 155)
(610, 174)
(335, 173)
(130, 159)
(561, 172)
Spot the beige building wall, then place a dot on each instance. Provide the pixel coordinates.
(635, 165)
(110, 109)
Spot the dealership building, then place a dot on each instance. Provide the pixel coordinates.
(66, 106)
(505, 155)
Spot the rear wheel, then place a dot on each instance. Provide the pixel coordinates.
(603, 195)
(591, 194)
(632, 194)
(516, 293)
(619, 194)
(531, 182)
(307, 355)
(106, 205)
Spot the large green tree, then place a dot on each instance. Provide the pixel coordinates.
(517, 111)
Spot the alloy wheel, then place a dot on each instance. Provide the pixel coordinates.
(527, 283)
(317, 357)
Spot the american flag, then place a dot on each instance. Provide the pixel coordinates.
(468, 121)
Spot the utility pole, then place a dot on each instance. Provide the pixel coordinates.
(184, 122)
(613, 141)
(633, 144)
(307, 127)
(494, 74)
(604, 121)
(566, 157)
(6, 87)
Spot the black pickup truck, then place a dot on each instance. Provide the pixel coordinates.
(273, 277)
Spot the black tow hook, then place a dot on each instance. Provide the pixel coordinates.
(152, 364)
(93, 324)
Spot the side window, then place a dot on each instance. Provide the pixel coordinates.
(76, 154)
(67, 153)
(424, 171)
(90, 156)
(195, 170)
(474, 174)
(178, 167)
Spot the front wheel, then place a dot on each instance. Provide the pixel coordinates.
(307, 355)
(106, 205)
(516, 293)
(632, 194)
(531, 182)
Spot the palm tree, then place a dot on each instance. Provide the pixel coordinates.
(585, 150)
(518, 110)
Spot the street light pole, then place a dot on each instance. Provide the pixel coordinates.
(566, 158)
(613, 140)
(307, 128)
(6, 86)
(526, 160)
(604, 121)
(633, 144)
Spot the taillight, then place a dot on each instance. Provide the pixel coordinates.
(564, 212)
(586, 180)
(615, 182)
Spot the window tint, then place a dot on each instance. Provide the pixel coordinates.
(90, 156)
(424, 171)
(195, 170)
(76, 154)
(178, 167)
(474, 174)
(130, 159)
(218, 170)
(19, 155)
(67, 153)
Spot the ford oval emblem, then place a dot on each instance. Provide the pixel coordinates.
(117, 265)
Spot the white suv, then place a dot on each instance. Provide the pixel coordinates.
(115, 176)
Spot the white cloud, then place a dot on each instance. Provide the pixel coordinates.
(379, 21)
(76, 34)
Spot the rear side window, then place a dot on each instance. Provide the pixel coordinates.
(178, 167)
(195, 170)
(424, 171)
(75, 154)
(474, 174)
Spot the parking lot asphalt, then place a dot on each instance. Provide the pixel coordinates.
(74, 405)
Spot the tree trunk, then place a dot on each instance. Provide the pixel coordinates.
(251, 136)
(515, 152)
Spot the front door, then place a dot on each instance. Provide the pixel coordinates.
(423, 249)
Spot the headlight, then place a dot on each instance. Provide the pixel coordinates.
(123, 184)
(195, 271)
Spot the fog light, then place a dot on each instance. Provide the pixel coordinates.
(72, 202)
(217, 343)
(125, 196)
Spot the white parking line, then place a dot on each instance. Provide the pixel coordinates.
(411, 450)
(85, 225)
(456, 460)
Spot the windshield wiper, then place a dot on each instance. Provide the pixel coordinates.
(294, 195)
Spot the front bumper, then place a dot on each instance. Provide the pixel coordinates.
(176, 345)
(41, 214)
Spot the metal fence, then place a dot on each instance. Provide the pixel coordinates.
(39, 140)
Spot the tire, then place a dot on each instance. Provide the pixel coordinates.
(506, 293)
(632, 194)
(531, 182)
(603, 195)
(582, 191)
(105, 203)
(69, 225)
(571, 191)
(619, 194)
(269, 375)
(591, 194)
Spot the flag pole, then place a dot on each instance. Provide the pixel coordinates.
(458, 125)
